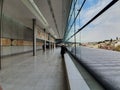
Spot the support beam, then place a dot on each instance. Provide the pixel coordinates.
(45, 39)
(50, 45)
(54, 45)
(1, 14)
(49, 40)
(34, 37)
(53, 16)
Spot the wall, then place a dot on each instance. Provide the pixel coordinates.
(16, 38)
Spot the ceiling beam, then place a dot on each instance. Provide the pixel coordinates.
(30, 4)
(53, 15)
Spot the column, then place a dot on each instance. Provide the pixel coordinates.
(45, 39)
(49, 39)
(50, 45)
(1, 13)
(34, 37)
(54, 45)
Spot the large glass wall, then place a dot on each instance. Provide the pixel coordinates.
(97, 43)
(103, 28)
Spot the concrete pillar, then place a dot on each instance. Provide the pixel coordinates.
(1, 14)
(34, 37)
(50, 45)
(45, 39)
(54, 45)
(49, 39)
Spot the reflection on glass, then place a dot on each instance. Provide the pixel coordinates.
(89, 10)
(103, 32)
(104, 27)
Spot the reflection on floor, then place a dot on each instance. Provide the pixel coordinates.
(25, 72)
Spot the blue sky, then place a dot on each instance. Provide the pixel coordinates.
(104, 27)
(90, 3)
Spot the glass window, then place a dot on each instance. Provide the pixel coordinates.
(104, 30)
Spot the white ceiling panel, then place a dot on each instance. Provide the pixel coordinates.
(57, 17)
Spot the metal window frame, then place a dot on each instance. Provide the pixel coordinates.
(76, 16)
(95, 17)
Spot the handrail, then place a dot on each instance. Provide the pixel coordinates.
(75, 80)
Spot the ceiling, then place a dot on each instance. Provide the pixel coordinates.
(55, 13)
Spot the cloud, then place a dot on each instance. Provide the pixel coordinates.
(87, 14)
(107, 26)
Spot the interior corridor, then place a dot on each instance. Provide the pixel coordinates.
(45, 71)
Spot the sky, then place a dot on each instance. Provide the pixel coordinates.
(105, 27)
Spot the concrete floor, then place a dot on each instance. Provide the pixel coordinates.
(45, 71)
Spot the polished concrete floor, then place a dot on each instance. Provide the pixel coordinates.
(45, 71)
